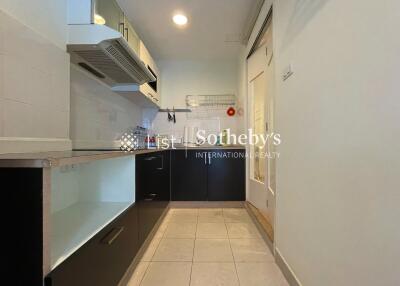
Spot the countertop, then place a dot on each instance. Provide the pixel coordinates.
(55, 159)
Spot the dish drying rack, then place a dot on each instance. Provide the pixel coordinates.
(209, 106)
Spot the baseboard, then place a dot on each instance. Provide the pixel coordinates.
(95, 144)
(30, 145)
(262, 224)
(206, 204)
(286, 270)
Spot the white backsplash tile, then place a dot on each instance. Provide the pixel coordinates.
(18, 119)
(15, 79)
(2, 27)
(2, 103)
(34, 83)
(1, 76)
(98, 115)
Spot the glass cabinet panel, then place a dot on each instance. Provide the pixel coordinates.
(107, 12)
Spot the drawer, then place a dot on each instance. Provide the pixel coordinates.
(104, 259)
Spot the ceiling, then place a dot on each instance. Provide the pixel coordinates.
(215, 29)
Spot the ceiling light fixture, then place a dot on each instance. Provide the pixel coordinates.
(180, 19)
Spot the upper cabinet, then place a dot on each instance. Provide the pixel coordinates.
(151, 89)
(131, 37)
(107, 12)
(104, 43)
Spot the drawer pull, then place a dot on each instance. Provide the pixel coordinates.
(112, 235)
(150, 158)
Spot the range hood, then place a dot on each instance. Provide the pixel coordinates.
(105, 53)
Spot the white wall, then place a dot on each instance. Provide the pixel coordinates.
(46, 17)
(181, 78)
(98, 115)
(338, 174)
(34, 76)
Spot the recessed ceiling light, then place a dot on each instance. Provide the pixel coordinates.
(180, 19)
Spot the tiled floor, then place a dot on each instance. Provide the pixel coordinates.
(207, 247)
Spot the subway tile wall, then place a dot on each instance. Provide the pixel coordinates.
(98, 115)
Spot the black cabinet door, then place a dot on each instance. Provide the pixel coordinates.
(152, 189)
(188, 175)
(226, 175)
(104, 259)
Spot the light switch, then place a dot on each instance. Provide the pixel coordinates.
(287, 72)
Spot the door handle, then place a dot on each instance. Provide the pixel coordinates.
(112, 235)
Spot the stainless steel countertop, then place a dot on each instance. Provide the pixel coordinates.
(56, 159)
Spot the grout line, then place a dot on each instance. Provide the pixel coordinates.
(194, 245)
(233, 256)
(145, 272)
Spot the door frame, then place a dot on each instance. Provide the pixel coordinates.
(266, 193)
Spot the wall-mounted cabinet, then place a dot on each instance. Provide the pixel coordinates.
(104, 43)
(148, 94)
(107, 12)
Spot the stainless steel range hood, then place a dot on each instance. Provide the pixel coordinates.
(105, 53)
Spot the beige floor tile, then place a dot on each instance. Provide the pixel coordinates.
(188, 211)
(181, 217)
(151, 249)
(212, 250)
(242, 230)
(167, 274)
(236, 215)
(214, 274)
(211, 230)
(138, 274)
(211, 215)
(260, 274)
(174, 250)
(251, 250)
(181, 230)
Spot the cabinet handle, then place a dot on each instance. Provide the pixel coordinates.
(112, 235)
(162, 163)
(205, 159)
(150, 158)
(122, 30)
(209, 158)
(127, 34)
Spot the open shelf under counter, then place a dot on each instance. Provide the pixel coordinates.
(85, 198)
(73, 226)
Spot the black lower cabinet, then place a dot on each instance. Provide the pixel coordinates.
(104, 259)
(226, 176)
(188, 175)
(208, 175)
(22, 226)
(152, 189)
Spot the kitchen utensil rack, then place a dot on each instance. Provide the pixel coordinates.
(209, 106)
